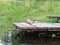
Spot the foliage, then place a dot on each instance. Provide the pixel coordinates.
(15, 11)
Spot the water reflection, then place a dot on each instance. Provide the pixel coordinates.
(8, 40)
(1, 42)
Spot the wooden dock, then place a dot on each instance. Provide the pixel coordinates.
(56, 17)
(41, 30)
(37, 27)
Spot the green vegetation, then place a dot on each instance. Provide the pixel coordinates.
(15, 11)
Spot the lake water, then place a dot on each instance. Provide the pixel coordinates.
(28, 41)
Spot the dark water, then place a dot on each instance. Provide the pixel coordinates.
(28, 41)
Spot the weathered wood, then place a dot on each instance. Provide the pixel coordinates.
(57, 17)
(54, 16)
(37, 26)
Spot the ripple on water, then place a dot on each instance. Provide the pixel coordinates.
(1, 43)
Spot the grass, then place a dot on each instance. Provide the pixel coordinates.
(14, 11)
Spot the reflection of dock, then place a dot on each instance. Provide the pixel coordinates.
(39, 41)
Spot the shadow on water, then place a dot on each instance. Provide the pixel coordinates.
(8, 40)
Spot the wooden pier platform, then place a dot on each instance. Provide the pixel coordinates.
(37, 26)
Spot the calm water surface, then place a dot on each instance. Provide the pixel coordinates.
(27, 41)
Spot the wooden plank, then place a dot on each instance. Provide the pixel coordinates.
(54, 16)
(38, 26)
